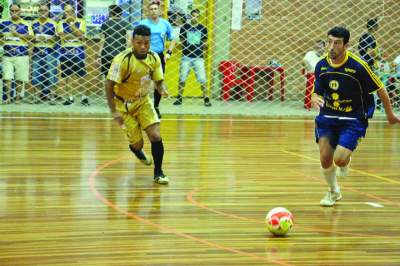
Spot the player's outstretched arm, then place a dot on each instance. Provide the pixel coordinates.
(110, 101)
(390, 116)
(317, 101)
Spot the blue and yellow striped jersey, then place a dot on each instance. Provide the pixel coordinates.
(65, 27)
(13, 45)
(47, 29)
(347, 88)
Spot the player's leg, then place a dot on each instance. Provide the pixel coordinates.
(148, 120)
(351, 132)
(327, 138)
(184, 69)
(199, 70)
(8, 76)
(134, 135)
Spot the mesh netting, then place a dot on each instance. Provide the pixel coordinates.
(252, 57)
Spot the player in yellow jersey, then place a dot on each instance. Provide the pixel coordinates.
(129, 82)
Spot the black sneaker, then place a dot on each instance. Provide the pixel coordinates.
(207, 102)
(178, 101)
(69, 101)
(158, 112)
(85, 102)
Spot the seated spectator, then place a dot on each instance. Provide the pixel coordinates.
(15, 35)
(44, 61)
(72, 55)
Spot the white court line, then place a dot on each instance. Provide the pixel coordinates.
(374, 204)
(296, 120)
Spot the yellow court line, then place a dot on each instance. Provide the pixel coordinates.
(386, 179)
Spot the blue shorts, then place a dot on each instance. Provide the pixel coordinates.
(343, 132)
(72, 62)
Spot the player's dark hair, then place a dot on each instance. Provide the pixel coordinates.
(141, 30)
(115, 11)
(372, 23)
(195, 11)
(340, 32)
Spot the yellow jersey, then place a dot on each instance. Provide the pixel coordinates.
(133, 77)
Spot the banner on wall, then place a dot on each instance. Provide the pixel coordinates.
(237, 12)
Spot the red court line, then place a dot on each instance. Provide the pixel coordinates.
(162, 228)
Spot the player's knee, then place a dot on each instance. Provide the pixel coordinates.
(341, 162)
(137, 146)
(326, 161)
(155, 136)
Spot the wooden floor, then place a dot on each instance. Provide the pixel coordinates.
(72, 194)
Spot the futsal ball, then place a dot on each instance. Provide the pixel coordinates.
(279, 221)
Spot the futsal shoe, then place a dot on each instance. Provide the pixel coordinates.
(161, 179)
(147, 160)
(330, 198)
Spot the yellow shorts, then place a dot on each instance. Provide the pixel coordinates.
(137, 116)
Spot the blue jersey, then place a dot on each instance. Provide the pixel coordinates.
(346, 88)
(159, 31)
(13, 45)
(48, 30)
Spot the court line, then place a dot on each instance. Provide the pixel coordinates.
(162, 228)
(190, 198)
(295, 120)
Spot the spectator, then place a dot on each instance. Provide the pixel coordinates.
(161, 30)
(193, 37)
(15, 34)
(114, 37)
(310, 60)
(368, 46)
(72, 32)
(44, 61)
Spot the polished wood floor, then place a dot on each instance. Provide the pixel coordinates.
(72, 194)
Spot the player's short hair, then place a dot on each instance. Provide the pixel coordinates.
(141, 30)
(340, 32)
(115, 10)
(372, 23)
(195, 11)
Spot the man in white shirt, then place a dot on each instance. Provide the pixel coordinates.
(310, 60)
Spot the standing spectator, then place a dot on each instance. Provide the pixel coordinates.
(161, 30)
(310, 60)
(193, 36)
(128, 85)
(15, 34)
(343, 83)
(72, 33)
(114, 37)
(368, 46)
(44, 61)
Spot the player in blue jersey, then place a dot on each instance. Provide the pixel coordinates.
(343, 89)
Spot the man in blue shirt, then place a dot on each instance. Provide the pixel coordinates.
(343, 89)
(161, 30)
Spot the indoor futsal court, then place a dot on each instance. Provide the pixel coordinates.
(72, 194)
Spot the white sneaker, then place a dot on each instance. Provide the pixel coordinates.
(148, 161)
(161, 179)
(330, 198)
(342, 172)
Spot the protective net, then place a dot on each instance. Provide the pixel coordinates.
(248, 57)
